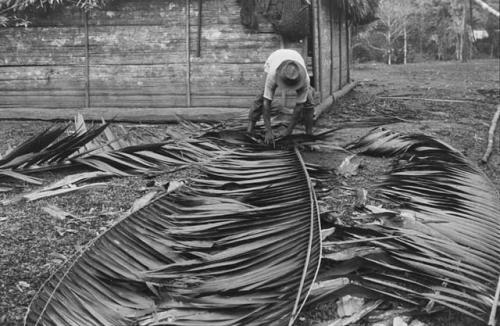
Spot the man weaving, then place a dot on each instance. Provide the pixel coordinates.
(286, 69)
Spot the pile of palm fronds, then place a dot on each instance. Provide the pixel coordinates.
(241, 245)
(440, 245)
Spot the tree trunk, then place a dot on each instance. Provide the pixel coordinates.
(405, 50)
(389, 45)
(465, 46)
(421, 35)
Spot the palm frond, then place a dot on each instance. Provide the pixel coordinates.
(201, 255)
(442, 242)
(49, 148)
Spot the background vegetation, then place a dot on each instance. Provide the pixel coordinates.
(420, 30)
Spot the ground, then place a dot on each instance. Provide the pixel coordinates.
(452, 101)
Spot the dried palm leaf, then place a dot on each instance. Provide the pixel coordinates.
(239, 247)
(442, 243)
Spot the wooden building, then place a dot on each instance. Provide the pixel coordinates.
(143, 59)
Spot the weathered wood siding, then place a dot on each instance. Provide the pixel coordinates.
(133, 54)
(136, 57)
(333, 48)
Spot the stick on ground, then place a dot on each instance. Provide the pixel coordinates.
(495, 305)
(491, 134)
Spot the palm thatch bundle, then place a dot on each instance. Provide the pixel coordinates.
(359, 12)
(290, 18)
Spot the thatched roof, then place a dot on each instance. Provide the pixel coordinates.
(358, 11)
(10, 10)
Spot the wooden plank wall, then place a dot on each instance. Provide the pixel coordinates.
(345, 48)
(136, 57)
(326, 47)
(333, 48)
(132, 54)
(42, 66)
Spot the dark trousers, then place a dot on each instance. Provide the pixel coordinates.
(258, 105)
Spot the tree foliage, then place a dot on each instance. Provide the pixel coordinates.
(434, 30)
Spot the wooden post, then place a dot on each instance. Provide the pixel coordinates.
(188, 54)
(316, 47)
(87, 58)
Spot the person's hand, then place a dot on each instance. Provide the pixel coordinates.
(269, 138)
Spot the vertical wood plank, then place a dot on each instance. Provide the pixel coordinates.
(316, 48)
(200, 9)
(348, 49)
(188, 54)
(340, 18)
(87, 59)
(332, 44)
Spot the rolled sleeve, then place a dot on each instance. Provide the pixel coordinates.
(269, 87)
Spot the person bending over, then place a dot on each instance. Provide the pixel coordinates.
(286, 69)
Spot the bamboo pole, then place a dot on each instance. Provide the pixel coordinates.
(491, 135)
(188, 54)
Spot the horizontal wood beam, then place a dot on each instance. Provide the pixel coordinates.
(140, 115)
(330, 100)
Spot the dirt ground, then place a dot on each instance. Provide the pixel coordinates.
(452, 101)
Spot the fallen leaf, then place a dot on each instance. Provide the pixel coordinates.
(361, 198)
(326, 233)
(56, 212)
(348, 168)
(399, 321)
(143, 201)
(174, 185)
(349, 305)
(22, 285)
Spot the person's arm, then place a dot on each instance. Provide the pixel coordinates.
(269, 89)
(266, 115)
